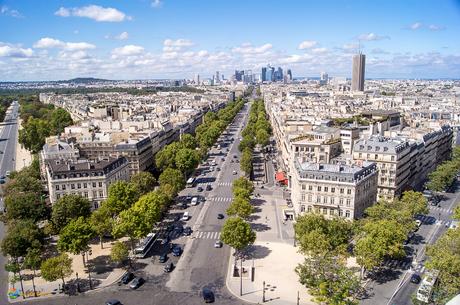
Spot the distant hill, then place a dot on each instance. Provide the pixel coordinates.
(84, 80)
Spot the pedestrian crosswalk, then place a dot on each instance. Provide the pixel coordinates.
(221, 199)
(224, 184)
(441, 222)
(207, 235)
(397, 264)
(441, 210)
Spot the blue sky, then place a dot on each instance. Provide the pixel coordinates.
(138, 39)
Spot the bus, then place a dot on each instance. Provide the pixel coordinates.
(190, 182)
(425, 291)
(144, 245)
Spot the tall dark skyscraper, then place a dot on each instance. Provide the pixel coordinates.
(289, 74)
(279, 74)
(239, 75)
(359, 67)
(264, 74)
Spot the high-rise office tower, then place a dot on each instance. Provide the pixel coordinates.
(270, 75)
(359, 67)
(217, 77)
(239, 75)
(197, 79)
(280, 74)
(263, 76)
(289, 73)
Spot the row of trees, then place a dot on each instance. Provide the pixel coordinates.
(257, 131)
(5, 102)
(236, 231)
(40, 121)
(444, 256)
(328, 243)
(445, 174)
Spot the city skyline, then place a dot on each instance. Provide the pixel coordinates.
(171, 39)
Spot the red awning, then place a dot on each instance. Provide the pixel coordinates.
(281, 178)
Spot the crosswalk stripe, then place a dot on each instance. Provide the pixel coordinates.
(207, 235)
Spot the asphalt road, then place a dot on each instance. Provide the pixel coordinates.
(393, 287)
(201, 264)
(8, 140)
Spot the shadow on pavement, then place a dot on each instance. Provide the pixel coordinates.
(258, 252)
(257, 202)
(385, 275)
(260, 227)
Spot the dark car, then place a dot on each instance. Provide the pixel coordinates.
(113, 302)
(208, 295)
(165, 240)
(170, 228)
(184, 205)
(177, 251)
(169, 267)
(2, 181)
(179, 229)
(208, 187)
(223, 159)
(199, 189)
(415, 278)
(220, 216)
(187, 231)
(136, 283)
(163, 258)
(177, 218)
(235, 156)
(127, 278)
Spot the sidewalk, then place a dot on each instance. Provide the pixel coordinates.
(23, 157)
(103, 273)
(274, 264)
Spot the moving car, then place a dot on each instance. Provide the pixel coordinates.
(234, 173)
(169, 267)
(127, 278)
(136, 283)
(187, 231)
(220, 216)
(186, 216)
(415, 278)
(218, 244)
(194, 201)
(113, 302)
(208, 295)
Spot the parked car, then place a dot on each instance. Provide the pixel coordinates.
(220, 216)
(2, 181)
(418, 222)
(163, 258)
(189, 197)
(177, 251)
(187, 231)
(165, 240)
(127, 278)
(199, 189)
(218, 244)
(113, 302)
(415, 278)
(169, 267)
(194, 201)
(208, 295)
(186, 216)
(234, 172)
(208, 187)
(136, 283)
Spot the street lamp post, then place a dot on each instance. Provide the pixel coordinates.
(241, 276)
(263, 293)
(78, 282)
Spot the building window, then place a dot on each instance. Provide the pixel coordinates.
(57, 187)
(324, 199)
(94, 184)
(348, 202)
(332, 189)
(79, 185)
(376, 157)
(331, 211)
(318, 199)
(100, 184)
(309, 209)
(303, 187)
(340, 213)
(58, 196)
(63, 187)
(326, 189)
(310, 188)
(101, 194)
(324, 211)
(319, 188)
(85, 185)
(309, 198)
(302, 208)
(332, 200)
(349, 191)
(72, 186)
(392, 158)
(341, 201)
(347, 214)
(360, 155)
(302, 197)
(86, 194)
(341, 191)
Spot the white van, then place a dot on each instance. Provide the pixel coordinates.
(194, 201)
(186, 216)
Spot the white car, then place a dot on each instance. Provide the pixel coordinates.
(218, 244)
(234, 172)
(418, 222)
(194, 201)
(186, 216)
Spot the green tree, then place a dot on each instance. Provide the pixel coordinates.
(186, 160)
(21, 235)
(240, 207)
(247, 142)
(34, 133)
(75, 236)
(444, 255)
(23, 182)
(101, 222)
(174, 178)
(237, 233)
(122, 195)
(377, 240)
(319, 236)
(143, 182)
(59, 120)
(119, 252)
(57, 267)
(33, 261)
(69, 207)
(262, 136)
(188, 141)
(167, 156)
(242, 183)
(329, 281)
(456, 213)
(24, 206)
(414, 202)
(246, 161)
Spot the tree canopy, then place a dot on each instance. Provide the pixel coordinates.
(237, 233)
(69, 207)
(75, 236)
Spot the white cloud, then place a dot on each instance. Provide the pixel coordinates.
(319, 50)
(350, 46)
(433, 27)
(416, 26)
(307, 44)
(122, 36)
(95, 12)
(170, 45)
(9, 50)
(5, 10)
(128, 50)
(247, 48)
(49, 43)
(372, 37)
(156, 3)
